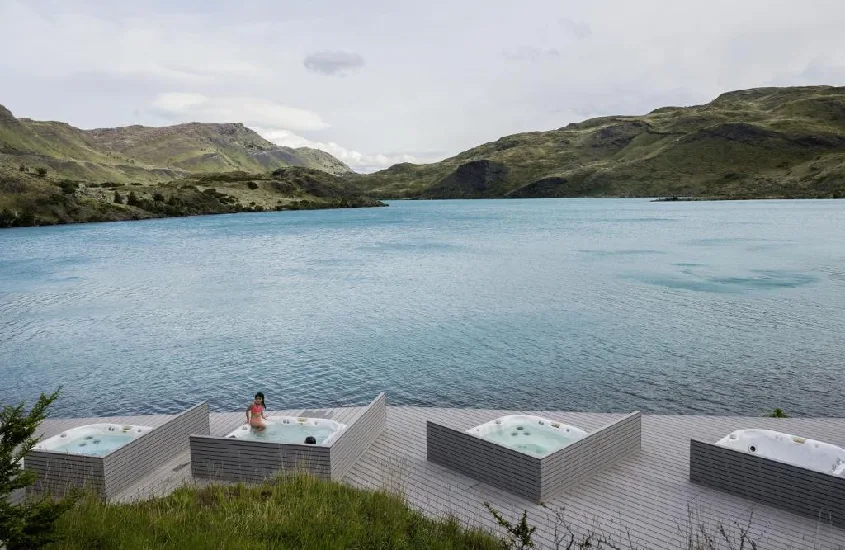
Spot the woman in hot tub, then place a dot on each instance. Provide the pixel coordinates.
(255, 413)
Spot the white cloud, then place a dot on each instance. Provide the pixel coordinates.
(359, 162)
(176, 47)
(530, 53)
(192, 107)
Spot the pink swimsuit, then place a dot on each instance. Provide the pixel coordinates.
(255, 415)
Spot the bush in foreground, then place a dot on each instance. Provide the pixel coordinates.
(292, 512)
(28, 524)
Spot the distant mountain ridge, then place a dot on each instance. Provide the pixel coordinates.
(51, 172)
(759, 143)
(149, 154)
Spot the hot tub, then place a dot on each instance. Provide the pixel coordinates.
(291, 429)
(798, 451)
(93, 439)
(529, 434)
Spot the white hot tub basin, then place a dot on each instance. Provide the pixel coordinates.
(529, 434)
(93, 439)
(791, 449)
(291, 429)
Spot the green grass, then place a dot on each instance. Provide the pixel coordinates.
(295, 512)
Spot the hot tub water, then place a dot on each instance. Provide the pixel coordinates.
(529, 434)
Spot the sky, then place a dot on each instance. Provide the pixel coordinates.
(376, 82)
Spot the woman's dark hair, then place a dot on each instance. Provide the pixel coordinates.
(261, 395)
(310, 440)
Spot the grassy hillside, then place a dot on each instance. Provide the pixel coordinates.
(761, 143)
(148, 155)
(27, 199)
(51, 172)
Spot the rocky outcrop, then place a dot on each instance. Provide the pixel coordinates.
(471, 180)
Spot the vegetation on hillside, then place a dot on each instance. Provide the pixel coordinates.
(148, 154)
(29, 200)
(760, 143)
(51, 172)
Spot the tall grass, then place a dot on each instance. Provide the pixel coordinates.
(293, 512)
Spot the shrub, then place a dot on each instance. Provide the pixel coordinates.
(7, 218)
(27, 218)
(777, 413)
(252, 185)
(68, 187)
(29, 524)
(41, 172)
(158, 197)
(133, 199)
(519, 535)
(22, 167)
(118, 198)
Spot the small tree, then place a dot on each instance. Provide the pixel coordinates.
(133, 199)
(41, 172)
(158, 197)
(118, 198)
(30, 523)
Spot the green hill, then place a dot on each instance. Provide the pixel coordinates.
(760, 143)
(148, 154)
(51, 172)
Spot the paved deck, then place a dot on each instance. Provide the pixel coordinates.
(648, 500)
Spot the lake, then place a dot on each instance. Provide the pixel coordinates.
(570, 304)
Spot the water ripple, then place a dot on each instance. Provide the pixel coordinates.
(607, 305)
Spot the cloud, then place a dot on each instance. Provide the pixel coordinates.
(172, 48)
(360, 162)
(530, 53)
(333, 62)
(575, 28)
(191, 107)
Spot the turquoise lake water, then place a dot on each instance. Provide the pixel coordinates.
(599, 305)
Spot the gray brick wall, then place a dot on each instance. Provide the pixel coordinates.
(137, 459)
(530, 477)
(358, 437)
(798, 490)
(585, 458)
(58, 473)
(254, 461)
(107, 476)
(499, 466)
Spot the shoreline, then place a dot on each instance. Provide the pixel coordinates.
(381, 204)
